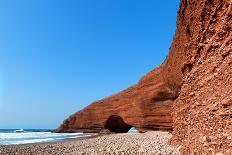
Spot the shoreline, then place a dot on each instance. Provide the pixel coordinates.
(54, 141)
(155, 142)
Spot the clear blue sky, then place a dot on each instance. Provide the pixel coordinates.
(57, 56)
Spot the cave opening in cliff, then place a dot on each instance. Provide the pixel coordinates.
(116, 124)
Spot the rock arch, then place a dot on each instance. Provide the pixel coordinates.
(116, 124)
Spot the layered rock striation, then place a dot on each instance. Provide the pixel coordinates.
(146, 105)
(189, 93)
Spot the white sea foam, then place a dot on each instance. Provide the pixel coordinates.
(133, 130)
(36, 137)
(31, 141)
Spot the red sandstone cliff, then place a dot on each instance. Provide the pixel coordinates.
(148, 104)
(203, 111)
(191, 92)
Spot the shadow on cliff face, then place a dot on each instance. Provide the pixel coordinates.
(116, 124)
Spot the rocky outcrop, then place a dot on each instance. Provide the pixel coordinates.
(190, 92)
(148, 104)
(203, 111)
(129, 108)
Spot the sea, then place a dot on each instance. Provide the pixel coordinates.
(30, 136)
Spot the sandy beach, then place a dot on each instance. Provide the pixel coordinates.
(150, 143)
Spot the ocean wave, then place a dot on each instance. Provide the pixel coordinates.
(36, 137)
(30, 141)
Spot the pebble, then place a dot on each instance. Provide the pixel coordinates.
(155, 142)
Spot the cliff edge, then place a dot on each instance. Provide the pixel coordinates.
(189, 93)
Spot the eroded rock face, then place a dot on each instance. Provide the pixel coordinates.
(191, 92)
(146, 105)
(203, 111)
